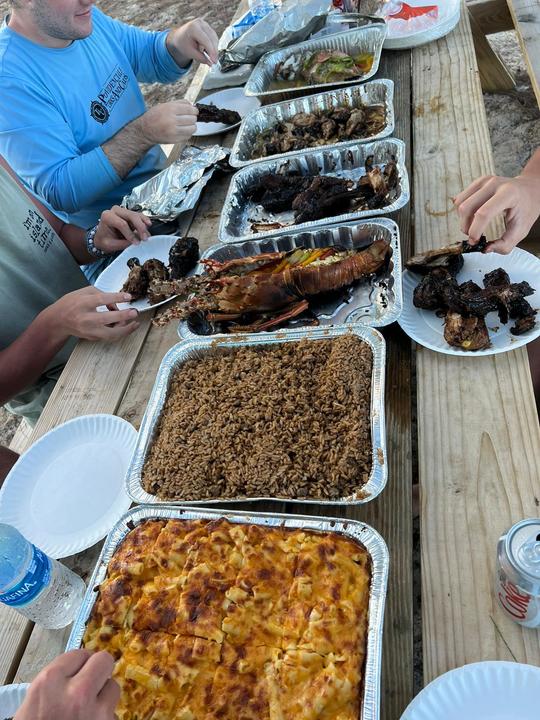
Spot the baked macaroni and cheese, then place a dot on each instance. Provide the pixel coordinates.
(210, 620)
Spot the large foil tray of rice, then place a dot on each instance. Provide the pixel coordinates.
(295, 415)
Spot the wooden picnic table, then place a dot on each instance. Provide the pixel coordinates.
(475, 447)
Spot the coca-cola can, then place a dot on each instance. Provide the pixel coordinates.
(518, 576)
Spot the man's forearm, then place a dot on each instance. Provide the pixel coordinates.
(22, 362)
(126, 148)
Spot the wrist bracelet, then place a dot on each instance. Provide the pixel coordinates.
(90, 247)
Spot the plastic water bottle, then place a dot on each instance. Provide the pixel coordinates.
(261, 8)
(34, 584)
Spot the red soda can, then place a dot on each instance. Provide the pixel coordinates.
(518, 576)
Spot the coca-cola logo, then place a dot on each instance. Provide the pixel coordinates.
(513, 601)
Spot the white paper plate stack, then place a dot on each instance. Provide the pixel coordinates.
(11, 699)
(418, 31)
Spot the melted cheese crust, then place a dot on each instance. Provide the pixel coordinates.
(210, 620)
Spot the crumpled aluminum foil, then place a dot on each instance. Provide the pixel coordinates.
(295, 21)
(177, 188)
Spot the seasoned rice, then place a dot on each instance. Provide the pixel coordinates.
(289, 420)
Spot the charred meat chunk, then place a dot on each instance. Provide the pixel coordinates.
(429, 294)
(325, 196)
(213, 114)
(276, 192)
(496, 278)
(137, 281)
(157, 272)
(183, 256)
(466, 333)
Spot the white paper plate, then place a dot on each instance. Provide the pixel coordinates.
(480, 691)
(67, 491)
(418, 31)
(229, 99)
(427, 329)
(11, 699)
(116, 274)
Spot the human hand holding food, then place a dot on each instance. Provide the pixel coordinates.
(75, 686)
(76, 314)
(119, 227)
(188, 41)
(170, 122)
(517, 199)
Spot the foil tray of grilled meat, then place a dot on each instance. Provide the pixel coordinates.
(315, 188)
(465, 306)
(344, 115)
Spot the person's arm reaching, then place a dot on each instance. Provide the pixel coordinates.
(74, 686)
(75, 314)
(167, 123)
(516, 199)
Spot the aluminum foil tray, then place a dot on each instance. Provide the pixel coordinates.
(368, 39)
(198, 348)
(358, 531)
(377, 92)
(375, 302)
(239, 212)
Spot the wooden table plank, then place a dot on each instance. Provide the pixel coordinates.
(479, 437)
(526, 17)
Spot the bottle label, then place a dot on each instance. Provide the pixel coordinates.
(37, 577)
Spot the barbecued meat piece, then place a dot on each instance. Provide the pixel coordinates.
(305, 120)
(276, 192)
(183, 256)
(325, 196)
(466, 333)
(496, 278)
(211, 113)
(506, 297)
(429, 294)
(137, 281)
(157, 272)
(521, 311)
(449, 257)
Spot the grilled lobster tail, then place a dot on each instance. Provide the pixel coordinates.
(263, 284)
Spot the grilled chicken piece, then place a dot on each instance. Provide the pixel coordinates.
(466, 333)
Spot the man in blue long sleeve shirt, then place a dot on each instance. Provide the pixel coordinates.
(73, 123)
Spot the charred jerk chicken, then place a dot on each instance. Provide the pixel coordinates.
(466, 305)
(312, 197)
(323, 127)
(147, 280)
(263, 291)
(213, 114)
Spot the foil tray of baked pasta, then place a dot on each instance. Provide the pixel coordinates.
(233, 614)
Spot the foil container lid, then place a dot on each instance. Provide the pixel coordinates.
(293, 22)
(177, 188)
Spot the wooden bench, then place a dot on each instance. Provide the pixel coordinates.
(493, 16)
